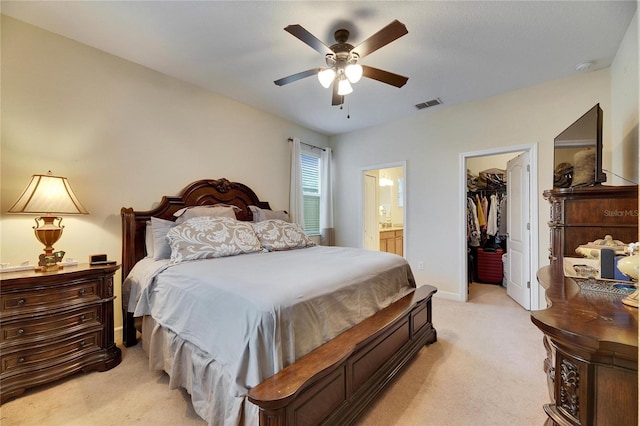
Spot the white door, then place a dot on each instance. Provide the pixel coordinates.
(370, 208)
(518, 230)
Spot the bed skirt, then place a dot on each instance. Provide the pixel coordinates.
(206, 380)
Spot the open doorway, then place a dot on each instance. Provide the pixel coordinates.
(520, 281)
(383, 207)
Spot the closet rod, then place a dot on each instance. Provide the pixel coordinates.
(307, 144)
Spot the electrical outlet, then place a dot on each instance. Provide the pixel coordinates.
(421, 266)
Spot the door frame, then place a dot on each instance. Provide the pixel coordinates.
(533, 225)
(370, 204)
(364, 169)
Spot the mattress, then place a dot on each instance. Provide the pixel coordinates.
(256, 313)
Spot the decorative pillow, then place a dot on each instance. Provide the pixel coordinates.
(214, 210)
(275, 234)
(160, 227)
(265, 214)
(148, 239)
(207, 237)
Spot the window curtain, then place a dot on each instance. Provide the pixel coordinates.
(296, 201)
(327, 232)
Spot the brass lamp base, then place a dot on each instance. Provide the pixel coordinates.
(49, 268)
(48, 233)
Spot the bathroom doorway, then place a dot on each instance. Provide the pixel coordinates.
(383, 208)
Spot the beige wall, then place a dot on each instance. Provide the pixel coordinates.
(124, 135)
(624, 110)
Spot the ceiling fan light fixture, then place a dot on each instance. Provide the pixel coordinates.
(326, 77)
(344, 87)
(353, 72)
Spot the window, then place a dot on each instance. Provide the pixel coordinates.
(311, 191)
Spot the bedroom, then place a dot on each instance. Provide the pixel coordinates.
(55, 117)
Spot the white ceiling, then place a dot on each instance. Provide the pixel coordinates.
(456, 51)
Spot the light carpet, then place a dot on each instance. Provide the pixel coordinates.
(485, 369)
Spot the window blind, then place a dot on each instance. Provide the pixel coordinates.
(311, 193)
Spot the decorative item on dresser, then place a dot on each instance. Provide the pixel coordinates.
(54, 324)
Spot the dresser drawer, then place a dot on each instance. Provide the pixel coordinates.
(600, 212)
(51, 354)
(40, 328)
(50, 297)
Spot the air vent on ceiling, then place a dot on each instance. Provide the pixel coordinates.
(427, 104)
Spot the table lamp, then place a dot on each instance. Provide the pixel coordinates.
(48, 196)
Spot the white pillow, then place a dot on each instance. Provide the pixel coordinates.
(206, 237)
(161, 248)
(148, 239)
(275, 234)
(214, 210)
(265, 214)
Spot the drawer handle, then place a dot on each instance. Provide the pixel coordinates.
(21, 360)
(21, 331)
(82, 292)
(82, 318)
(82, 343)
(21, 302)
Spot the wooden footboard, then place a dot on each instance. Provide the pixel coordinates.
(335, 383)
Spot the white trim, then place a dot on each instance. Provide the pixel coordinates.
(534, 243)
(403, 164)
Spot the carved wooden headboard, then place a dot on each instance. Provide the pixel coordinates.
(199, 193)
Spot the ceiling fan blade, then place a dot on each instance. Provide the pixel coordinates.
(307, 38)
(391, 32)
(384, 76)
(298, 76)
(335, 98)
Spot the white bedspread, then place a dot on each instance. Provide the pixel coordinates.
(256, 313)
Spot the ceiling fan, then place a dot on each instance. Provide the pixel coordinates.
(342, 60)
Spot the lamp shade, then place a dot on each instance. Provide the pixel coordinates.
(344, 87)
(326, 77)
(353, 72)
(48, 194)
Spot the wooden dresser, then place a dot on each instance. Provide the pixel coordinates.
(582, 215)
(591, 340)
(591, 337)
(55, 324)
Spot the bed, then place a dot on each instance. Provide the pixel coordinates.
(326, 374)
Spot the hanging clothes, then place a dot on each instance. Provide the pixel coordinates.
(502, 216)
(492, 218)
(480, 211)
(473, 227)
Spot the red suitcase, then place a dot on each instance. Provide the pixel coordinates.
(490, 267)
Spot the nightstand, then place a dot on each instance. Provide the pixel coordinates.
(54, 324)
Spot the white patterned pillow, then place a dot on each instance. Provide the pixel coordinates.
(207, 237)
(277, 234)
(265, 214)
(214, 210)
